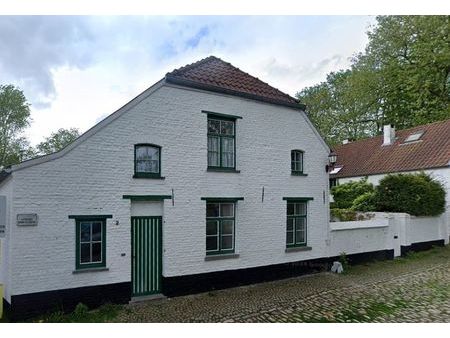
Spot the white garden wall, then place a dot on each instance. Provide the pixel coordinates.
(386, 231)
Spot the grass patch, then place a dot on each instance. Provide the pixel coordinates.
(81, 314)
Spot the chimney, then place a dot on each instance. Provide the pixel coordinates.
(388, 134)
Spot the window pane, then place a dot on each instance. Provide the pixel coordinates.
(96, 252)
(289, 238)
(212, 227)
(212, 209)
(227, 242)
(300, 223)
(227, 209)
(227, 127)
(300, 237)
(96, 231)
(147, 159)
(290, 224)
(290, 208)
(211, 243)
(85, 232)
(300, 209)
(213, 126)
(85, 253)
(300, 162)
(227, 152)
(227, 227)
(213, 151)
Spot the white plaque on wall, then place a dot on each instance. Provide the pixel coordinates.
(27, 219)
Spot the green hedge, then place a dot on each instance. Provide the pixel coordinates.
(345, 194)
(415, 194)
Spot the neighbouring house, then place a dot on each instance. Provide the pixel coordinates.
(208, 179)
(422, 148)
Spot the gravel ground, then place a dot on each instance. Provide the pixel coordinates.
(412, 289)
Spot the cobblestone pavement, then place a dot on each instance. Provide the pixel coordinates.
(415, 289)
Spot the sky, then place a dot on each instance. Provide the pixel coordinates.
(76, 70)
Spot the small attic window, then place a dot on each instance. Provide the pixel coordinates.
(414, 137)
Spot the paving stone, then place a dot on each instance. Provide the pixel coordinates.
(414, 291)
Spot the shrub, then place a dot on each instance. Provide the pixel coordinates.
(365, 202)
(415, 194)
(342, 215)
(346, 193)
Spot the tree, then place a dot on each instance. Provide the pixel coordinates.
(14, 118)
(402, 78)
(57, 141)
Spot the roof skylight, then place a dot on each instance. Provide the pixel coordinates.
(414, 137)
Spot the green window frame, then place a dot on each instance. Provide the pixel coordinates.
(147, 154)
(90, 241)
(297, 157)
(296, 223)
(221, 142)
(220, 227)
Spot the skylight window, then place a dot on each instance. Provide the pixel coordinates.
(414, 137)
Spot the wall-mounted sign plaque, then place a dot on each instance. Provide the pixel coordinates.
(27, 219)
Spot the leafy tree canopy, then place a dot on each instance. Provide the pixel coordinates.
(14, 118)
(57, 141)
(402, 78)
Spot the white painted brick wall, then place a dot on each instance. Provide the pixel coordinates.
(6, 189)
(92, 178)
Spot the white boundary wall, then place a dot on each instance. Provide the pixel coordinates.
(386, 231)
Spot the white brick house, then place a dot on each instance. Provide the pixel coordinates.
(232, 167)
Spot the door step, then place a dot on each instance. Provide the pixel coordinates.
(147, 298)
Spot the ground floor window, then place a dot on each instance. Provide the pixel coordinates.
(296, 223)
(90, 241)
(220, 225)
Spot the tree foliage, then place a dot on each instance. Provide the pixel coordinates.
(345, 194)
(415, 194)
(57, 141)
(14, 118)
(402, 78)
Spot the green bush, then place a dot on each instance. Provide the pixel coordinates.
(343, 215)
(415, 194)
(365, 202)
(345, 194)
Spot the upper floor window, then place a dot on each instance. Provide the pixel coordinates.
(221, 143)
(297, 162)
(147, 160)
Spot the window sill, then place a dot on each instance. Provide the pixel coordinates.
(298, 248)
(90, 270)
(293, 173)
(224, 170)
(220, 256)
(149, 177)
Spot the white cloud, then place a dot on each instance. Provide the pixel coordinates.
(85, 68)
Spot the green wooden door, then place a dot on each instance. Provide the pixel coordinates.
(146, 249)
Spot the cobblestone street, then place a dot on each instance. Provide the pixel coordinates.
(413, 289)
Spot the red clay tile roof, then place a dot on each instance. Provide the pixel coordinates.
(369, 157)
(216, 75)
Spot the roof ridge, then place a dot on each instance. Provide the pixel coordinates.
(192, 65)
(397, 131)
(243, 78)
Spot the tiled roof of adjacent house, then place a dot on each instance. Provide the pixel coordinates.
(216, 75)
(369, 156)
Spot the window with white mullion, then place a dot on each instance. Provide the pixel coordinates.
(220, 223)
(296, 224)
(297, 161)
(221, 147)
